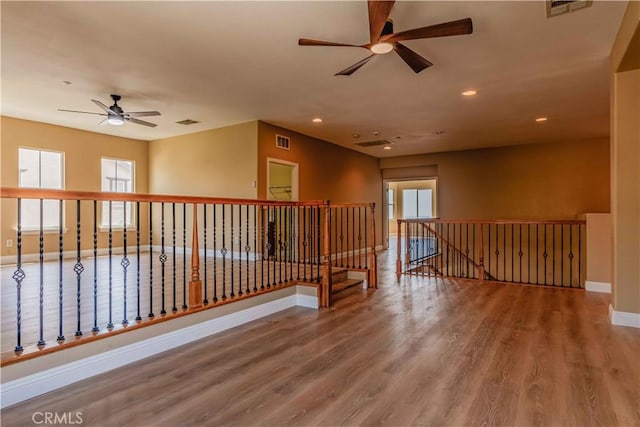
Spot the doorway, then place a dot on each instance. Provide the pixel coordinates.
(282, 180)
(409, 199)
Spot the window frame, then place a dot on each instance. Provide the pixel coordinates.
(417, 190)
(130, 222)
(31, 228)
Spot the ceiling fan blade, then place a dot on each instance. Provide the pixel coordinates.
(310, 42)
(413, 60)
(140, 122)
(83, 112)
(378, 14)
(350, 70)
(142, 113)
(104, 107)
(453, 28)
(102, 123)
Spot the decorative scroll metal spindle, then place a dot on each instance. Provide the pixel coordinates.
(184, 256)
(279, 245)
(319, 243)
(174, 307)
(262, 247)
(41, 341)
(545, 254)
(570, 256)
(353, 237)
(125, 265)
(215, 257)
(247, 249)
(110, 249)
(151, 315)
(19, 275)
(304, 241)
(240, 291)
(60, 338)
(284, 243)
(223, 252)
(255, 248)
(78, 269)
(138, 317)
(232, 294)
(163, 260)
(360, 238)
(95, 328)
(205, 300)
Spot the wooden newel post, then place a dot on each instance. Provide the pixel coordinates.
(325, 286)
(373, 259)
(195, 284)
(399, 255)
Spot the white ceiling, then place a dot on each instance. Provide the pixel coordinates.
(224, 63)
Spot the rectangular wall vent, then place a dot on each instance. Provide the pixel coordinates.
(558, 7)
(283, 142)
(373, 143)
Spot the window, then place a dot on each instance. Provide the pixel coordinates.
(417, 203)
(40, 169)
(117, 177)
(390, 201)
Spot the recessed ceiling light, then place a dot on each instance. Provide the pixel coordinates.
(376, 132)
(469, 92)
(386, 147)
(355, 135)
(317, 120)
(541, 119)
(438, 132)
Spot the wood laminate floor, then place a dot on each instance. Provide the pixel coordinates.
(422, 351)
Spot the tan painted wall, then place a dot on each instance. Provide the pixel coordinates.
(326, 171)
(82, 153)
(625, 164)
(217, 163)
(599, 248)
(542, 181)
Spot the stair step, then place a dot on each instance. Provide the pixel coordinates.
(346, 284)
(339, 275)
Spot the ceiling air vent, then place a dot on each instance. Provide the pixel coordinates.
(558, 7)
(187, 122)
(373, 143)
(283, 142)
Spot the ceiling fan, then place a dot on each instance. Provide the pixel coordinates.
(384, 40)
(116, 116)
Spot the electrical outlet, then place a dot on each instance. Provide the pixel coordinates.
(9, 243)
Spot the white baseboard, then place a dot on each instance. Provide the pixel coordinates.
(84, 253)
(602, 287)
(43, 382)
(623, 318)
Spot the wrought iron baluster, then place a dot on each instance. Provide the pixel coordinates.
(342, 225)
(528, 253)
(174, 307)
(247, 249)
(497, 253)
(223, 252)
(138, 317)
(60, 338)
(537, 255)
(304, 240)
(319, 252)
(545, 254)
(504, 252)
(240, 291)
(215, 255)
(263, 221)
(513, 279)
(269, 243)
(110, 323)
(366, 246)
(151, 315)
(553, 254)
(163, 260)
(184, 256)
(125, 264)
(19, 275)
(579, 255)
(41, 341)
(255, 248)
(205, 301)
(232, 295)
(78, 268)
(520, 253)
(360, 237)
(561, 254)
(279, 222)
(570, 256)
(95, 328)
(353, 237)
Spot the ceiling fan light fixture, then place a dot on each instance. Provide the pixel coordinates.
(381, 48)
(115, 120)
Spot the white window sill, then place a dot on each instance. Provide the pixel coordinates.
(51, 230)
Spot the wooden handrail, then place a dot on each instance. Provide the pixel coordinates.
(491, 221)
(37, 193)
(350, 205)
